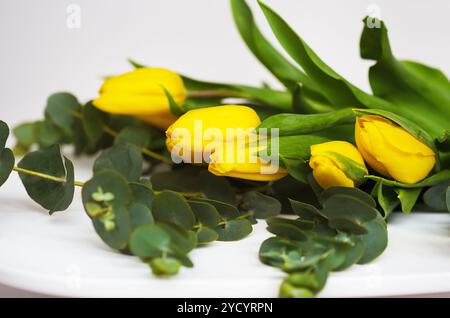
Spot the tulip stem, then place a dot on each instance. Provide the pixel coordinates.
(45, 176)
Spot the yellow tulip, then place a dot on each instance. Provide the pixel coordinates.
(140, 93)
(392, 151)
(244, 163)
(337, 163)
(198, 130)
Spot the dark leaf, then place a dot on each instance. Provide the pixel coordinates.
(125, 159)
(260, 205)
(169, 206)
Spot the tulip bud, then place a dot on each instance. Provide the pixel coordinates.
(392, 151)
(196, 132)
(337, 163)
(140, 93)
(243, 162)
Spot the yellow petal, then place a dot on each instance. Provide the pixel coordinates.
(328, 175)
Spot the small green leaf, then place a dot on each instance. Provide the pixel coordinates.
(93, 121)
(348, 225)
(139, 215)
(216, 188)
(287, 231)
(148, 241)
(226, 211)
(352, 192)
(165, 266)
(206, 235)
(169, 206)
(435, 198)
(305, 211)
(133, 135)
(142, 194)
(47, 133)
(61, 109)
(303, 225)
(408, 198)
(375, 241)
(51, 195)
(125, 159)
(262, 206)
(387, 198)
(25, 134)
(6, 164)
(180, 180)
(353, 255)
(347, 207)
(207, 214)
(234, 230)
(116, 229)
(182, 241)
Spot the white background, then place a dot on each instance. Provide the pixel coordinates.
(40, 55)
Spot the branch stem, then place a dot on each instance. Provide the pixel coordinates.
(45, 176)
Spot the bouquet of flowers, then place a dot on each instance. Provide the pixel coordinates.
(322, 162)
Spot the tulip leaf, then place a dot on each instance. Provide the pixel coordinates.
(125, 159)
(334, 87)
(387, 198)
(50, 194)
(205, 213)
(206, 235)
(441, 176)
(176, 109)
(149, 241)
(375, 241)
(133, 136)
(419, 92)
(297, 168)
(61, 109)
(435, 197)
(260, 205)
(280, 67)
(408, 198)
(216, 188)
(93, 121)
(299, 124)
(169, 206)
(234, 230)
(140, 215)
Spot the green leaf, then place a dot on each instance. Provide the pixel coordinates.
(207, 214)
(109, 181)
(294, 147)
(165, 266)
(180, 180)
(116, 238)
(305, 211)
(297, 168)
(375, 241)
(341, 206)
(260, 205)
(149, 241)
(408, 198)
(419, 92)
(353, 255)
(61, 109)
(6, 164)
(47, 134)
(263, 50)
(352, 192)
(125, 159)
(140, 215)
(299, 124)
(435, 197)
(303, 225)
(348, 225)
(287, 231)
(206, 235)
(93, 121)
(216, 188)
(133, 135)
(447, 198)
(182, 241)
(387, 198)
(234, 230)
(141, 194)
(169, 206)
(176, 109)
(25, 134)
(51, 195)
(339, 92)
(226, 211)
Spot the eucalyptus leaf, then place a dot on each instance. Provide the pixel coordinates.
(141, 194)
(347, 224)
(375, 241)
(61, 109)
(164, 266)
(6, 164)
(435, 197)
(216, 188)
(206, 235)
(125, 159)
(226, 211)
(117, 238)
(180, 180)
(25, 134)
(169, 206)
(234, 230)
(341, 206)
(93, 122)
(50, 194)
(47, 133)
(149, 241)
(305, 211)
(352, 255)
(260, 205)
(133, 135)
(287, 231)
(182, 241)
(140, 215)
(206, 214)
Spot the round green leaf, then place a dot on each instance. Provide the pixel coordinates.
(149, 241)
(6, 164)
(234, 230)
(117, 238)
(303, 225)
(435, 198)
(50, 194)
(349, 225)
(60, 109)
(352, 255)
(287, 231)
(25, 134)
(342, 206)
(352, 192)
(216, 188)
(169, 206)
(206, 213)
(166, 266)
(181, 240)
(93, 121)
(141, 194)
(125, 159)
(375, 241)
(226, 211)
(206, 235)
(47, 133)
(262, 206)
(304, 210)
(108, 181)
(140, 215)
(133, 135)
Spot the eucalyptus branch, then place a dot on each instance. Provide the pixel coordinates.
(45, 176)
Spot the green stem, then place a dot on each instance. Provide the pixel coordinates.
(216, 93)
(45, 176)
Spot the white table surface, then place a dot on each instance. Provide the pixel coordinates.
(61, 255)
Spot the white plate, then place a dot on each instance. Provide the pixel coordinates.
(62, 255)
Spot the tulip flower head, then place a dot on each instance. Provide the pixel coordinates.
(140, 93)
(337, 163)
(392, 151)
